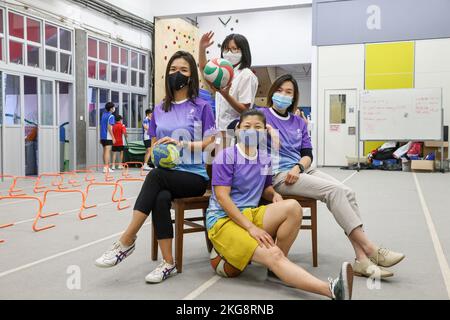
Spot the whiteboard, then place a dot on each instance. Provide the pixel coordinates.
(401, 114)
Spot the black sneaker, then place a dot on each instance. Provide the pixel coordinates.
(341, 287)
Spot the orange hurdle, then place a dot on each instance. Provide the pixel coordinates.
(82, 207)
(14, 183)
(73, 182)
(55, 183)
(112, 198)
(88, 173)
(121, 198)
(142, 174)
(108, 177)
(39, 213)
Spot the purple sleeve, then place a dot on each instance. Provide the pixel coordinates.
(222, 171)
(208, 122)
(152, 127)
(306, 139)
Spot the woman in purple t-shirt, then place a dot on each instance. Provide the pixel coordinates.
(241, 231)
(187, 121)
(293, 175)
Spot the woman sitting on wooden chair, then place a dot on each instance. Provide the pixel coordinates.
(293, 175)
(180, 112)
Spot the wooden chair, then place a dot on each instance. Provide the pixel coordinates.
(312, 204)
(180, 206)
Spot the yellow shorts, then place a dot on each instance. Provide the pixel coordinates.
(233, 242)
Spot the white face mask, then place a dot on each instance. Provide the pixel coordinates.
(234, 58)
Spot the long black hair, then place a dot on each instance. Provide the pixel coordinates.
(193, 85)
(241, 43)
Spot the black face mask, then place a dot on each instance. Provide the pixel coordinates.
(178, 81)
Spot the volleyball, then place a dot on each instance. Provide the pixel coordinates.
(219, 72)
(165, 156)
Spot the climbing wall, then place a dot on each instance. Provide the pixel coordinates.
(172, 35)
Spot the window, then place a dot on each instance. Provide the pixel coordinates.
(123, 75)
(141, 80)
(133, 78)
(114, 74)
(50, 60)
(16, 25)
(115, 59)
(133, 120)
(65, 63)
(338, 108)
(125, 108)
(17, 38)
(98, 54)
(115, 99)
(58, 49)
(15, 52)
(47, 111)
(92, 106)
(33, 30)
(103, 99)
(140, 110)
(138, 64)
(92, 69)
(134, 60)
(33, 56)
(51, 38)
(142, 64)
(25, 40)
(12, 99)
(65, 39)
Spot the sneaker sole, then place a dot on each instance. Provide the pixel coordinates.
(156, 282)
(357, 274)
(347, 278)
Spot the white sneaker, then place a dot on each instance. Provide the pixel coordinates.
(147, 167)
(113, 167)
(120, 167)
(115, 255)
(161, 273)
(111, 170)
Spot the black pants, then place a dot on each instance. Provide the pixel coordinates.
(159, 188)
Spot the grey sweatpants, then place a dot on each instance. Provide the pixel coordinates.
(340, 199)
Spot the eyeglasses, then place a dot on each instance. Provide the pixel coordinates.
(233, 50)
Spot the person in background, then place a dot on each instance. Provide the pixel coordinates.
(119, 131)
(106, 134)
(232, 100)
(147, 139)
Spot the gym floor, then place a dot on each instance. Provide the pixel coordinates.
(407, 212)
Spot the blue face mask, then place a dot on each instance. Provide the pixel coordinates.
(282, 102)
(250, 137)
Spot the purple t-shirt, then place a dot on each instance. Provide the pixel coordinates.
(293, 133)
(247, 177)
(189, 121)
